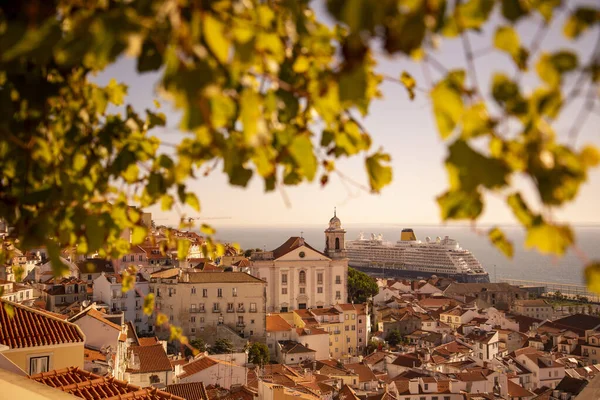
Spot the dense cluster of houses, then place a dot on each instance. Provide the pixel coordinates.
(432, 339)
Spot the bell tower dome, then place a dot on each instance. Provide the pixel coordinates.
(335, 246)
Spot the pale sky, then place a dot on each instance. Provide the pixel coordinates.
(405, 129)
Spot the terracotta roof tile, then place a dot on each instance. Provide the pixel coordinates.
(200, 364)
(97, 315)
(277, 324)
(148, 341)
(291, 347)
(86, 385)
(30, 328)
(151, 359)
(189, 391)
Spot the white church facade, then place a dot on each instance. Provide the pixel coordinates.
(298, 276)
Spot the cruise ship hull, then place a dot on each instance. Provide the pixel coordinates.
(411, 274)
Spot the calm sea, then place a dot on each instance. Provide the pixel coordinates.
(526, 264)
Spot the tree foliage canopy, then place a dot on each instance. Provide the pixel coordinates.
(360, 286)
(394, 337)
(258, 354)
(221, 346)
(267, 89)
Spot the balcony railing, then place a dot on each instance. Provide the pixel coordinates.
(230, 310)
(253, 310)
(240, 324)
(194, 310)
(241, 309)
(216, 310)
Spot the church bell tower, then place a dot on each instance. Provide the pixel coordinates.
(335, 247)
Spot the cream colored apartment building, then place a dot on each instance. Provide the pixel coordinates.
(199, 302)
(298, 276)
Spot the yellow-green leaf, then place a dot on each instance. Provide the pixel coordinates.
(507, 39)
(183, 247)
(475, 121)
(592, 277)
(166, 202)
(458, 204)
(380, 173)
(520, 209)
(448, 103)
(192, 201)
(161, 319)
(214, 34)
(116, 92)
(176, 333)
(79, 162)
(549, 238)
(127, 282)
(409, 83)
(207, 229)
(138, 235)
(580, 21)
(149, 304)
(131, 173)
(590, 156)
(498, 238)
(301, 150)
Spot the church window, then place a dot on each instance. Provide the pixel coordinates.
(320, 278)
(337, 243)
(302, 277)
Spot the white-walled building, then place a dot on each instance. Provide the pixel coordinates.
(299, 276)
(108, 290)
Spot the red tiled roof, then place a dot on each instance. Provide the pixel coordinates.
(30, 328)
(518, 391)
(148, 341)
(291, 244)
(97, 315)
(91, 386)
(189, 391)
(93, 355)
(277, 324)
(195, 366)
(151, 359)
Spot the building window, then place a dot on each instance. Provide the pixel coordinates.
(201, 307)
(39, 364)
(302, 277)
(319, 278)
(284, 279)
(284, 290)
(240, 320)
(302, 290)
(193, 320)
(89, 277)
(193, 309)
(201, 320)
(347, 328)
(234, 292)
(229, 307)
(216, 307)
(338, 280)
(132, 258)
(426, 386)
(193, 330)
(204, 292)
(337, 243)
(338, 295)
(219, 292)
(140, 258)
(252, 307)
(320, 289)
(193, 290)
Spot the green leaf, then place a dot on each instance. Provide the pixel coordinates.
(138, 234)
(580, 21)
(116, 92)
(546, 8)
(207, 229)
(499, 240)
(166, 202)
(183, 247)
(250, 114)
(131, 173)
(476, 121)
(149, 304)
(448, 103)
(128, 282)
(214, 34)
(379, 174)
(301, 149)
(592, 277)
(79, 162)
(472, 14)
(507, 39)
(551, 67)
(590, 156)
(353, 85)
(468, 169)
(549, 238)
(507, 94)
(192, 201)
(409, 83)
(512, 10)
(95, 233)
(458, 204)
(520, 209)
(155, 119)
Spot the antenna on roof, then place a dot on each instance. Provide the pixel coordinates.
(302, 234)
(334, 211)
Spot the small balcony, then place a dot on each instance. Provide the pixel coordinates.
(194, 310)
(253, 310)
(230, 310)
(240, 324)
(216, 310)
(241, 309)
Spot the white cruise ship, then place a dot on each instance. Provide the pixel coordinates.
(412, 258)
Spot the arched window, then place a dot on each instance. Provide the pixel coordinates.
(337, 243)
(326, 243)
(302, 277)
